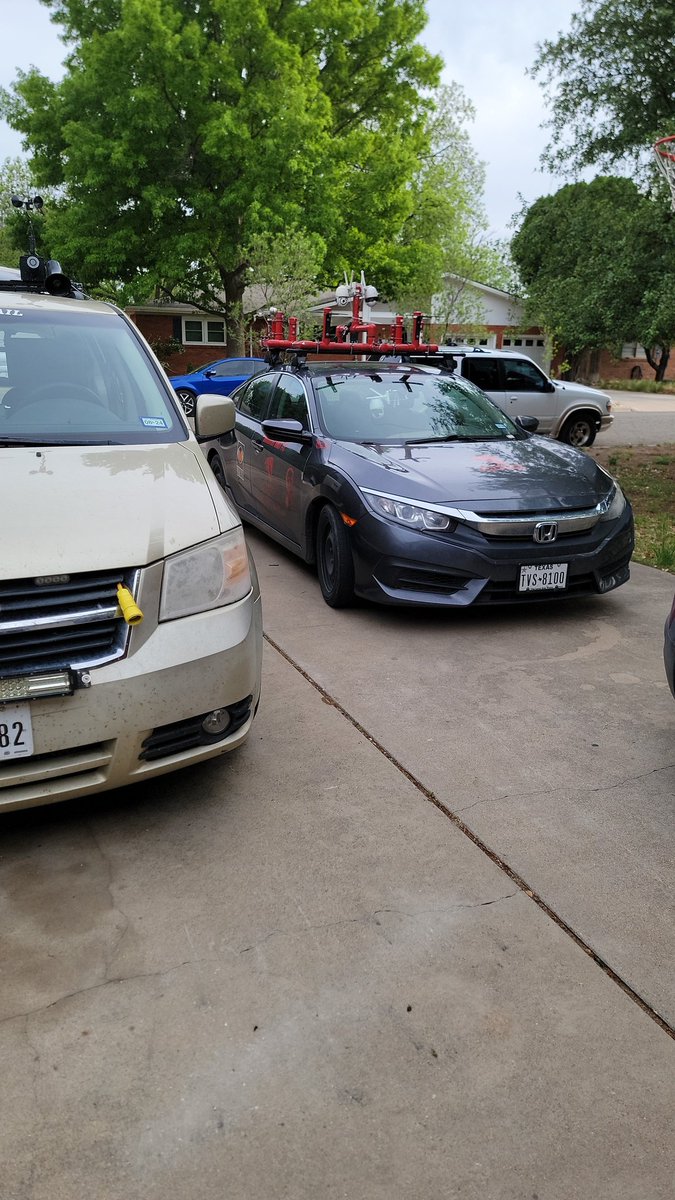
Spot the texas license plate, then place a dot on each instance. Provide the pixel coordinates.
(543, 577)
(16, 731)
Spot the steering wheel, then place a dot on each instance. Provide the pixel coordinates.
(62, 391)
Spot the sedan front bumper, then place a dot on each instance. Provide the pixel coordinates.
(395, 565)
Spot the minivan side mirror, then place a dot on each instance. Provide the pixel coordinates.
(529, 424)
(214, 416)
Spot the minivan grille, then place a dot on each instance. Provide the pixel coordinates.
(63, 621)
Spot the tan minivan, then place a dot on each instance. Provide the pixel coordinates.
(130, 615)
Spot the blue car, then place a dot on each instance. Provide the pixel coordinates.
(221, 377)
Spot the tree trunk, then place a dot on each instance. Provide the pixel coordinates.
(233, 289)
(658, 364)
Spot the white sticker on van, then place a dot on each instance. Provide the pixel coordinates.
(154, 422)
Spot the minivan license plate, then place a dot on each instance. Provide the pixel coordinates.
(543, 577)
(16, 731)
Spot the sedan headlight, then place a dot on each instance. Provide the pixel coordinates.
(412, 515)
(205, 577)
(616, 505)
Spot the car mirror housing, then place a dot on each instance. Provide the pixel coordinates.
(286, 430)
(529, 424)
(214, 416)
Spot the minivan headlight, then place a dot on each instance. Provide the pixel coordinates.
(205, 577)
(616, 506)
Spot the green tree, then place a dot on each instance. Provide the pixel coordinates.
(185, 132)
(283, 272)
(16, 179)
(444, 239)
(611, 82)
(598, 262)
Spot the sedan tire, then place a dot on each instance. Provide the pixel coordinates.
(579, 430)
(334, 562)
(218, 470)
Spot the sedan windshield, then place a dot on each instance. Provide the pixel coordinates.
(76, 376)
(408, 407)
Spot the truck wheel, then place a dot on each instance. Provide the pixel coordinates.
(334, 562)
(579, 430)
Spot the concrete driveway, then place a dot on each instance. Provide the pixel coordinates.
(415, 940)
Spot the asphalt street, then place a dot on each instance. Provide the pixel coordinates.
(640, 419)
(415, 940)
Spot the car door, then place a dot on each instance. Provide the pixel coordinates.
(487, 374)
(529, 393)
(285, 492)
(243, 456)
(224, 376)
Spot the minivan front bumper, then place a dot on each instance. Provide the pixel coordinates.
(175, 671)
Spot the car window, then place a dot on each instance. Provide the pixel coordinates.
(523, 376)
(80, 375)
(290, 401)
(484, 372)
(407, 406)
(256, 395)
(240, 367)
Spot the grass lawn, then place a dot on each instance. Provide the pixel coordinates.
(647, 476)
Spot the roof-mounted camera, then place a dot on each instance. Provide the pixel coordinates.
(39, 274)
(44, 275)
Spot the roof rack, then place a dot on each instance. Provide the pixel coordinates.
(353, 338)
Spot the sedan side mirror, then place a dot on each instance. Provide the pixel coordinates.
(210, 373)
(529, 424)
(286, 430)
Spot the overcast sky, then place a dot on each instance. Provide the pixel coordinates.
(487, 46)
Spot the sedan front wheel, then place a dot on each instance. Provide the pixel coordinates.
(334, 562)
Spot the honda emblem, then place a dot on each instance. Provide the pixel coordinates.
(545, 531)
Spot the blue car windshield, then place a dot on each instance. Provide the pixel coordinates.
(75, 375)
(408, 407)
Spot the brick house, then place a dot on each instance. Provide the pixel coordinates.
(498, 325)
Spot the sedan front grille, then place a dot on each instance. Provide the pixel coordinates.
(63, 621)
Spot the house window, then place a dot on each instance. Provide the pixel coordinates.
(203, 330)
(633, 350)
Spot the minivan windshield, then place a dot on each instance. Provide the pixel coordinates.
(74, 376)
(410, 406)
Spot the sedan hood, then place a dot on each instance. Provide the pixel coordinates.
(88, 508)
(486, 476)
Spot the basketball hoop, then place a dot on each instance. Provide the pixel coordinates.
(664, 153)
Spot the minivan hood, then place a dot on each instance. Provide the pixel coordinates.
(486, 476)
(88, 508)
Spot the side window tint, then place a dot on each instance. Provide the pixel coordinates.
(290, 402)
(484, 372)
(255, 399)
(523, 376)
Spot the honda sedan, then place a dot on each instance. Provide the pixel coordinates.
(410, 488)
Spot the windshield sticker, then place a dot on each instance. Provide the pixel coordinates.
(11, 312)
(154, 422)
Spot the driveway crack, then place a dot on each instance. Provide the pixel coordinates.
(481, 845)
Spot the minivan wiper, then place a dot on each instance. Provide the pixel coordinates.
(19, 441)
